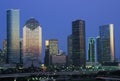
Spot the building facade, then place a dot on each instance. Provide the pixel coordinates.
(13, 34)
(21, 51)
(98, 49)
(51, 48)
(69, 57)
(59, 60)
(32, 43)
(78, 43)
(91, 50)
(107, 43)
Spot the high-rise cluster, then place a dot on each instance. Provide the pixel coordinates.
(102, 50)
(52, 54)
(28, 50)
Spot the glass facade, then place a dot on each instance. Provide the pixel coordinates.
(107, 43)
(91, 50)
(69, 58)
(78, 43)
(32, 43)
(51, 48)
(98, 49)
(13, 50)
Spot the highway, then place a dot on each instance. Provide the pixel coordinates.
(62, 75)
(40, 73)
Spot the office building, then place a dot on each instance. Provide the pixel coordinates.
(98, 50)
(69, 45)
(78, 43)
(58, 60)
(107, 43)
(51, 48)
(21, 51)
(32, 43)
(13, 44)
(91, 50)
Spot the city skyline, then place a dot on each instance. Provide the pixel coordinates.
(54, 24)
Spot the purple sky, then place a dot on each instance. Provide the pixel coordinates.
(56, 16)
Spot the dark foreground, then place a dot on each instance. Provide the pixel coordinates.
(63, 76)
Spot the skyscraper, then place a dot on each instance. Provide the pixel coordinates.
(32, 43)
(107, 43)
(91, 50)
(98, 49)
(69, 58)
(51, 48)
(78, 43)
(21, 51)
(13, 44)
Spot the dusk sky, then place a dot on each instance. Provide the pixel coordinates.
(56, 16)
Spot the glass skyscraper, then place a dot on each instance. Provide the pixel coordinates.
(69, 45)
(91, 50)
(51, 48)
(98, 49)
(78, 43)
(107, 43)
(13, 44)
(32, 43)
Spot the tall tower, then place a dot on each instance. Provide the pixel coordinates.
(13, 45)
(32, 43)
(91, 50)
(78, 43)
(107, 43)
(51, 48)
(69, 42)
(98, 49)
(21, 51)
